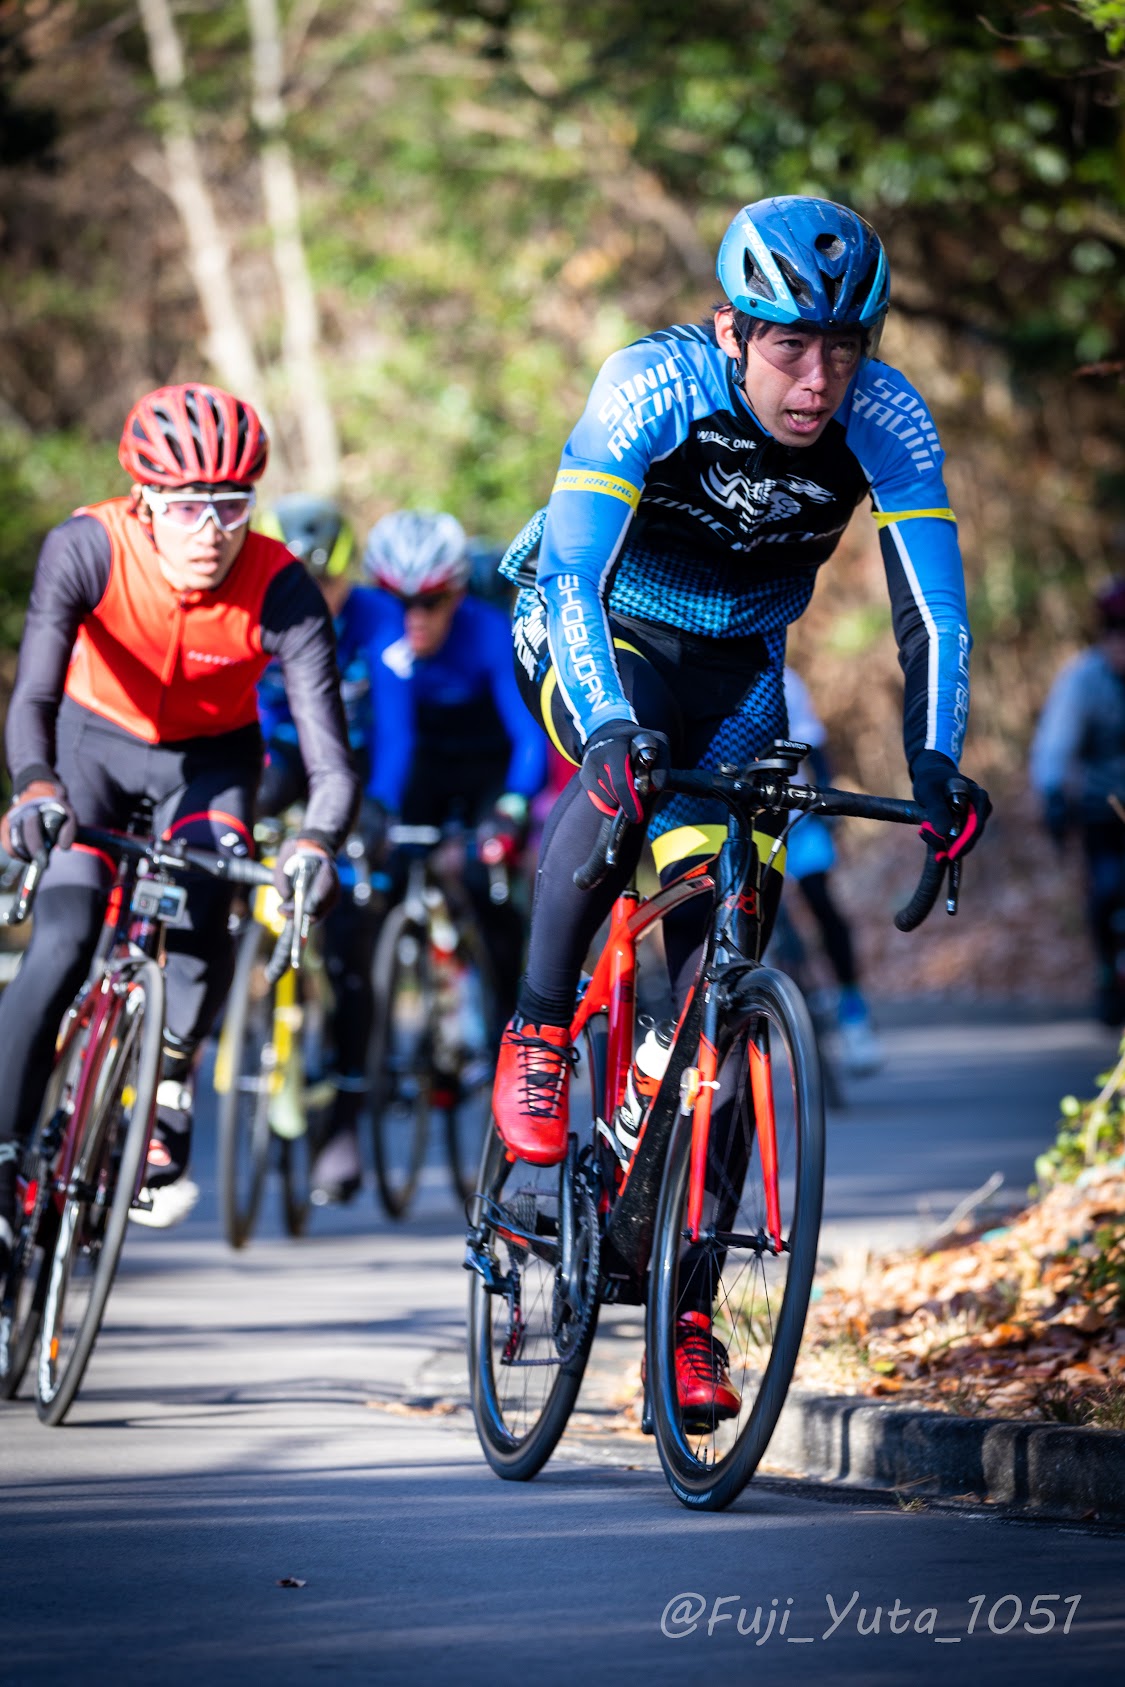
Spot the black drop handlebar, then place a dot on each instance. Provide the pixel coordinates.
(177, 859)
(767, 786)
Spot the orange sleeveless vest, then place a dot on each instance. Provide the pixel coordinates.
(167, 665)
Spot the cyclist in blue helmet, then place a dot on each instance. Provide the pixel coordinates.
(709, 478)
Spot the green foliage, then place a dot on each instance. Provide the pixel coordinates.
(41, 481)
(1091, 1133)
(1107, 15)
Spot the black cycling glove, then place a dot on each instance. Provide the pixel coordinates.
(27, 837)
(325, 887)
(607, 769)
(948, 833)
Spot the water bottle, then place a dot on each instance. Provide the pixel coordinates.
(649, 1065)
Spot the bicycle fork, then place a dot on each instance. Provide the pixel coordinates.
(698, 1087)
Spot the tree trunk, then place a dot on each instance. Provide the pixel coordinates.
(280, 193)
(228, 346)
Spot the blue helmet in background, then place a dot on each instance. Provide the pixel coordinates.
(797, 259)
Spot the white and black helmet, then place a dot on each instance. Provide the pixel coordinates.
(412, 552)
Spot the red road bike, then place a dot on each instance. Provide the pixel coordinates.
(717, 1208)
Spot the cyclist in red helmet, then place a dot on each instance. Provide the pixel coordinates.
(152, 616)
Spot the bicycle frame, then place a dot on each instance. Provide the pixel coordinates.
(745, 879)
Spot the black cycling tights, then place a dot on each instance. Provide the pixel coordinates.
(564, 919)
(202, 791)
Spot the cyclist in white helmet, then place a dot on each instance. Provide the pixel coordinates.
(478, 757)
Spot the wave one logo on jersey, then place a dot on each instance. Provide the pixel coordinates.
(759, 501)
(641, 400)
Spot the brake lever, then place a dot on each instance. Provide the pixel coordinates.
(301, 922)
(54, 818)
(959, 803)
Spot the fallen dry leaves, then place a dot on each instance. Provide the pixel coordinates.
(1027, 1321)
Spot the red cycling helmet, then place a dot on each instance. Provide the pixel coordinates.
(177, 436)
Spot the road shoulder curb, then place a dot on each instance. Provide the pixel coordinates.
(1049, 1470)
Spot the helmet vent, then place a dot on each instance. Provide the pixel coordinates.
(794, 280)
(757, 283)
(830, 246)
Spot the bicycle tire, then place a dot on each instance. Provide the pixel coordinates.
(114, 1141)
(708, 1464)
(25, 1287)
(400, 1061)
(295, 1198)
(244, 1131)
(518, 1436)
(465, 1118)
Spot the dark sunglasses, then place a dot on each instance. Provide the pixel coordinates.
(425, 600)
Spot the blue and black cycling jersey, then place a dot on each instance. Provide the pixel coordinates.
(674, 506)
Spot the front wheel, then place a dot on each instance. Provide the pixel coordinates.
(744, 1285)
(25, 1287)
(401, 1059)
(110, 1130)
(248, 1077)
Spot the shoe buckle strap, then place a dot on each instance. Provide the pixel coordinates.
(173, 1095)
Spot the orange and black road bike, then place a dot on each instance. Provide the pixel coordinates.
(714, 1208)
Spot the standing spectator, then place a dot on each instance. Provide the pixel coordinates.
(1078, 772)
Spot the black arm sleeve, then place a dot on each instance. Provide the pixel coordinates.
(70, 578)
(297, 630)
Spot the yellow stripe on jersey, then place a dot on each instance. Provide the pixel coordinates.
(884, 518)
(594, 480)
(685, 841)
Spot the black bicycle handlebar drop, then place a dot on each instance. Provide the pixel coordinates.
(644, 753)
(53, 821)
(768, 786)
(176, 859)
(934, 872)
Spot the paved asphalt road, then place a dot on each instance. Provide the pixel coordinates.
(294, 1412)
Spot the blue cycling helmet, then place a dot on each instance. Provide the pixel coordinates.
(797, 259)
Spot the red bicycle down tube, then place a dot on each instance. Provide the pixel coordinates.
(765, 1125)
(103, 1005)
(612, 990)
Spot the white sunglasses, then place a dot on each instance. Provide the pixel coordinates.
(190, 511)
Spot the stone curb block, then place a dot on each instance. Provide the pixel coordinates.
(1053, 1470)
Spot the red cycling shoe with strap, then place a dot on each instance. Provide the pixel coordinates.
(703, 1382)
(531, 1093)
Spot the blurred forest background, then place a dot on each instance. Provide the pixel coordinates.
(413, 231)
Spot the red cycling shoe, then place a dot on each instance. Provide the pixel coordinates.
(531, 1093)
(702, 1379)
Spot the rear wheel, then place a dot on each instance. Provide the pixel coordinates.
(401, 1059)
(754, 1295)
(247, 1078)
(111, 1134)
(532, 1312)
